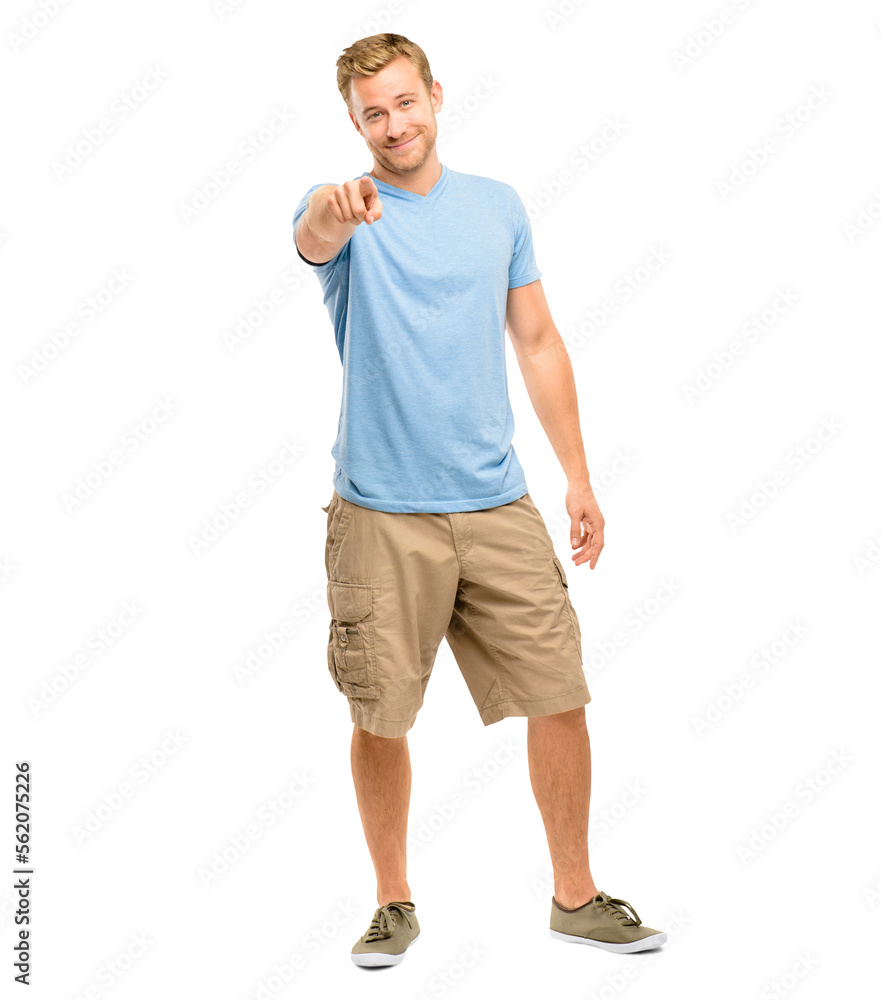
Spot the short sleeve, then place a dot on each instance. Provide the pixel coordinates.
(299, 212)
(522, 268)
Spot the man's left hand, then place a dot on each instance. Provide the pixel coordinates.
(586, 523)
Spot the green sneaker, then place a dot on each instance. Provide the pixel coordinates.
(603, 922)
(391, 932)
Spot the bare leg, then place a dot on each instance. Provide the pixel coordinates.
(382, 776)
(559, 768)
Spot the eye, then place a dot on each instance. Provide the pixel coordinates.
(375, 113)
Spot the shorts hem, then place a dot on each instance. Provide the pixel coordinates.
(389, 728)
(541, 706)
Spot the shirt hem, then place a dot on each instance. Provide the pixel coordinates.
(433, 507)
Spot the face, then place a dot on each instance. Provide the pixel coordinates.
(396, 116)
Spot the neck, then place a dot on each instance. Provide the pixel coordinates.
(420, 181)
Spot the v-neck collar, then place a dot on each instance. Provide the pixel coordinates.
(439, 185)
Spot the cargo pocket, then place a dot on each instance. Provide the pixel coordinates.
(573, 617)
(351, 655)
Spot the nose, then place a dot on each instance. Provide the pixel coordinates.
(396, 125)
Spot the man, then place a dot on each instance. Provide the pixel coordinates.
(431, 531)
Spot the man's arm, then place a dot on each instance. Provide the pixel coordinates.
(547, 374)
(319, 236)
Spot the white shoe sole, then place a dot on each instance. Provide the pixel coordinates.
(375, 958)
(644, 944)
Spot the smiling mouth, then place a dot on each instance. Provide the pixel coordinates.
(398, 146)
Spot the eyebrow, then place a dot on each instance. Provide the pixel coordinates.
(375, 107)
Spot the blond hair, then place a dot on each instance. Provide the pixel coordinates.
(369, 55)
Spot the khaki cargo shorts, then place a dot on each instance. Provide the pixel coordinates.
(487, 580)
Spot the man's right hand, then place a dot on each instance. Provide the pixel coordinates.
(355, 201)
(332, 214)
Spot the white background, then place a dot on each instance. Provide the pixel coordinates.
(681, 818)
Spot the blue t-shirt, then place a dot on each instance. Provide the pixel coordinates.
(417, 300)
